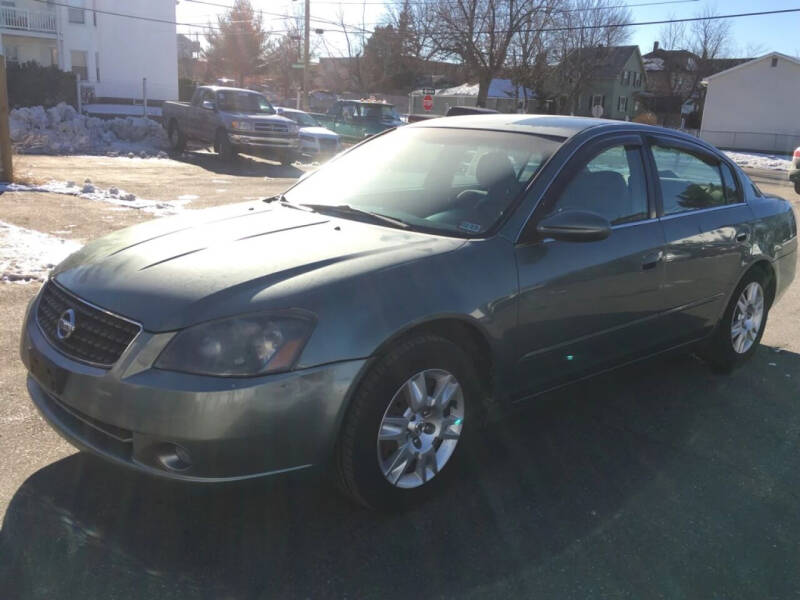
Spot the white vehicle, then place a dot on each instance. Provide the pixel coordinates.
(315, 141)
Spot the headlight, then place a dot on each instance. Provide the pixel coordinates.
(242, 125)
(240, 346)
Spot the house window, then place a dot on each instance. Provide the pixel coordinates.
(97, 66)
(774, 62)
(79, 66)
(622, 104)
(627, 79)
(597, 100)
(76, 14)
(12, 54)
(53, 56)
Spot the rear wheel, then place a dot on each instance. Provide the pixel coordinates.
(177, 140)
(287, 159)
(407, 423)
(797, 186)
(224, 148)
(742, 326)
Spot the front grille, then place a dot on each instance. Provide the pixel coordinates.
(98, 337)
(271, 128)
(327, 144)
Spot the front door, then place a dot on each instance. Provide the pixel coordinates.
(585, 306)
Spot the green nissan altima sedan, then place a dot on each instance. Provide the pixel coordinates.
(366, 320)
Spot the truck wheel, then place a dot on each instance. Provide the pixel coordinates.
(224, 147)
(797, 186)
(287, 159)
(176, 138)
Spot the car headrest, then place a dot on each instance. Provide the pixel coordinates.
(494, 167)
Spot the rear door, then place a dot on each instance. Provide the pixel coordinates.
(586, 306)
(706, 228)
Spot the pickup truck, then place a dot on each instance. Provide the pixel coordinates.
(233, 120)
(355, 120)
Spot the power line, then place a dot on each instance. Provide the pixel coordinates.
(118, 14)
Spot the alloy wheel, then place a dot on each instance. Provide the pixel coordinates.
(748, 317)
(420, 428)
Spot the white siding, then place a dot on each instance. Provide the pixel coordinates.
(754, 107)
(128, 49)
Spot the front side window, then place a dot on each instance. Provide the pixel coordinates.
(688, 181)
(443, 180)
(611, 184)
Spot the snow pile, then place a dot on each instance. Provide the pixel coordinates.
(61, 130)
(653, 64)
(112, 195)
(27, 255)
(755, 160)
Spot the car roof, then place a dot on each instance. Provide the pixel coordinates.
(556, 125)
(371, 103)
(223, 88)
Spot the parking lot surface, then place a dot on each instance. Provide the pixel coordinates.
(661, 480)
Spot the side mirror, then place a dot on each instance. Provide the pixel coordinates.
(209, 105)
(574, 226)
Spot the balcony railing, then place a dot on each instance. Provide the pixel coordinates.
(27, 20)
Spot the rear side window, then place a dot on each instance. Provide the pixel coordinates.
(688, 182)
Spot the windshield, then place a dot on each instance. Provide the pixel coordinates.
(301, 118)
(245, 102)
(455, 181)
(377, 111)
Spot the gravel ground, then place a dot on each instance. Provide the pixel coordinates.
(613, 488)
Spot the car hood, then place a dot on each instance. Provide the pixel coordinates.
(319, 132)
(258, 117)
(171, 273)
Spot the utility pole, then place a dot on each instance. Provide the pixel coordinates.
(306, 44)
(6, 164)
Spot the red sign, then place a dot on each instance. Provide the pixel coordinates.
(427, 102)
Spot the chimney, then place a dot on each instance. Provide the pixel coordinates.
(655, 46)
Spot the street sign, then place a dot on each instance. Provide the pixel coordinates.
(427, 102)
(429, 91)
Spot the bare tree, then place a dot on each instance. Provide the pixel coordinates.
(581, 34)
(478, 32)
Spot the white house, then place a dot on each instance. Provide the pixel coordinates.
(753, 106)
(111, 53)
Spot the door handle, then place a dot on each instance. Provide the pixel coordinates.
(651, 260)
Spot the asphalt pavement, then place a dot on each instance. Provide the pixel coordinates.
(661, 480)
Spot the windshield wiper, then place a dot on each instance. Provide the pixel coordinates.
(346, 210)
(281, 198)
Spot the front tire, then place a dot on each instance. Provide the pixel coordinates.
(224, 147)
(177, 140)
(739, 332)
(287, 159)
(797, 186)
(407, 423)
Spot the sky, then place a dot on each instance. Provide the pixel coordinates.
(750, 36)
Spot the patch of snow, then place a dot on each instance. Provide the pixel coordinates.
(112, 195)
(756, 160)
(61, 130)
(653, 64)
(27, 255)
(187, 197)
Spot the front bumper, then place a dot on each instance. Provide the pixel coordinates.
(264, 142)
(151, 420)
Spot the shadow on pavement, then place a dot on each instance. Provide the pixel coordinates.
(517, 515)
(241, 166)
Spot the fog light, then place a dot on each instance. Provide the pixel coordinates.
(174, 457)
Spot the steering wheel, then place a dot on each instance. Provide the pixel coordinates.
(470, 199)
